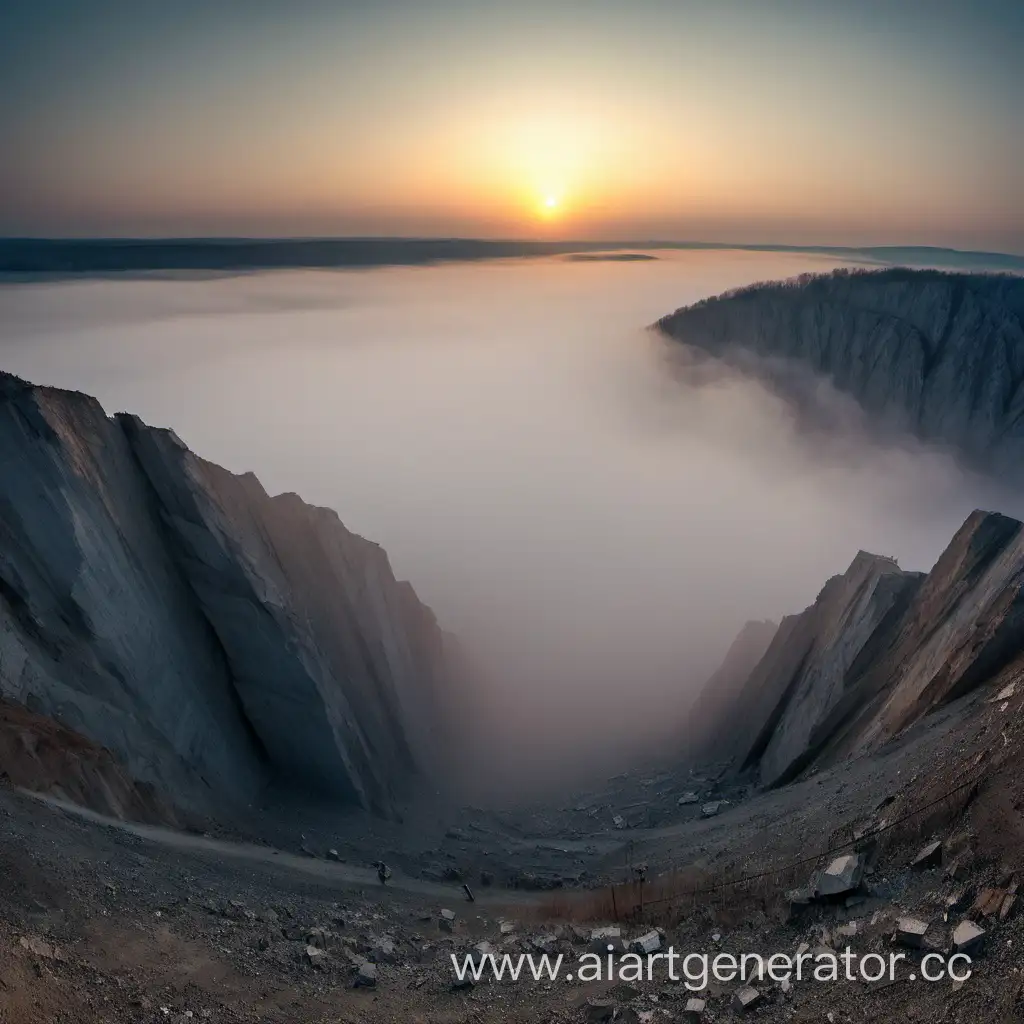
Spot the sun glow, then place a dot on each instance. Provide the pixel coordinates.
(550, 205)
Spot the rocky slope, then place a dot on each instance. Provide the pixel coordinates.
(938, 354)
(879, 649)
(211, 636)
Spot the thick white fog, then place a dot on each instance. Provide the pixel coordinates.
(595, 524)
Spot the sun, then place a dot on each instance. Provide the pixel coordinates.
(550, 205)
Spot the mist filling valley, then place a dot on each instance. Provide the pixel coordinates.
(592, 513)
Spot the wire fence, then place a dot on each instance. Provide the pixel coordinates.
(633, 899)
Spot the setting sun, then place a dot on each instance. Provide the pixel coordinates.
(550, 206)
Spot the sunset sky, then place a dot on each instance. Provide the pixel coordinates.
(797, 121)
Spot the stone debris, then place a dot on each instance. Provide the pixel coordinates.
(446, 922)
(618, 821)
(688, 798)
(842, 876)
(988, 903)
(1007, 908)
(316, 957)
(798, 901)
(694, 1011)
(967, 936)
(910, 932)
(624, 993)
(928, 856)
(507, 927)
(709, 810)
(319, 937)
(38, 947)
(545, 943)
(333, 854)
(599, 1011)
(648, 943)
(603, 938)
(1004, 694)
(383, 951)
(366, 976)
(745, 999)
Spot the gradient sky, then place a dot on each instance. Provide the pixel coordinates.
(809, 121)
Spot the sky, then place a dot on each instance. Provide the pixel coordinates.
(788, 121)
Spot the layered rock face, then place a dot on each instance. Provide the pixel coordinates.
(878, 650)
(210, 635)
(938, 354)
(802, 676)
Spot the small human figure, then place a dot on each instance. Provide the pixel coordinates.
(383, 872)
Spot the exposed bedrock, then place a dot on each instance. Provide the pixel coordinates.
(211, 636)
(938, 354)
(879, 649)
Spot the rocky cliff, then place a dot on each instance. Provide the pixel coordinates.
(878, 650)
(211, 636)
(938, 354)
(803, 675)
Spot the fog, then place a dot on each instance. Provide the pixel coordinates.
(594, 516)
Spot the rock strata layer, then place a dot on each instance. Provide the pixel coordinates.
(940, 355)
(212, 636)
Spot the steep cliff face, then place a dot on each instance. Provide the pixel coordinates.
(210, 635)
(964, 626)
(802, 676)
(878, 650)
(938, 354)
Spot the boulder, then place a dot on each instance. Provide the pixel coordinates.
(693, 1012)
(929, 856)
(842, 876)
(745, 999)
(910, 931)
(606, 940)
(650, 942)
(366, 976)
(967, 937)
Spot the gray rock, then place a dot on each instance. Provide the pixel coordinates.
(314, 956)
(745, 999)
(693, 1012)
(688, 798)
(209, 635)
(968, 937)
(606, 940)
(842, 875)
(928, 856)
(599, 1011)
(938, 354)
(650, 942)
(366, 976)
(910, 932)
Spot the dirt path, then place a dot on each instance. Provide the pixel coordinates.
(332, 872)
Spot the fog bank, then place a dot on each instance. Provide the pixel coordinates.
(594, 514)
